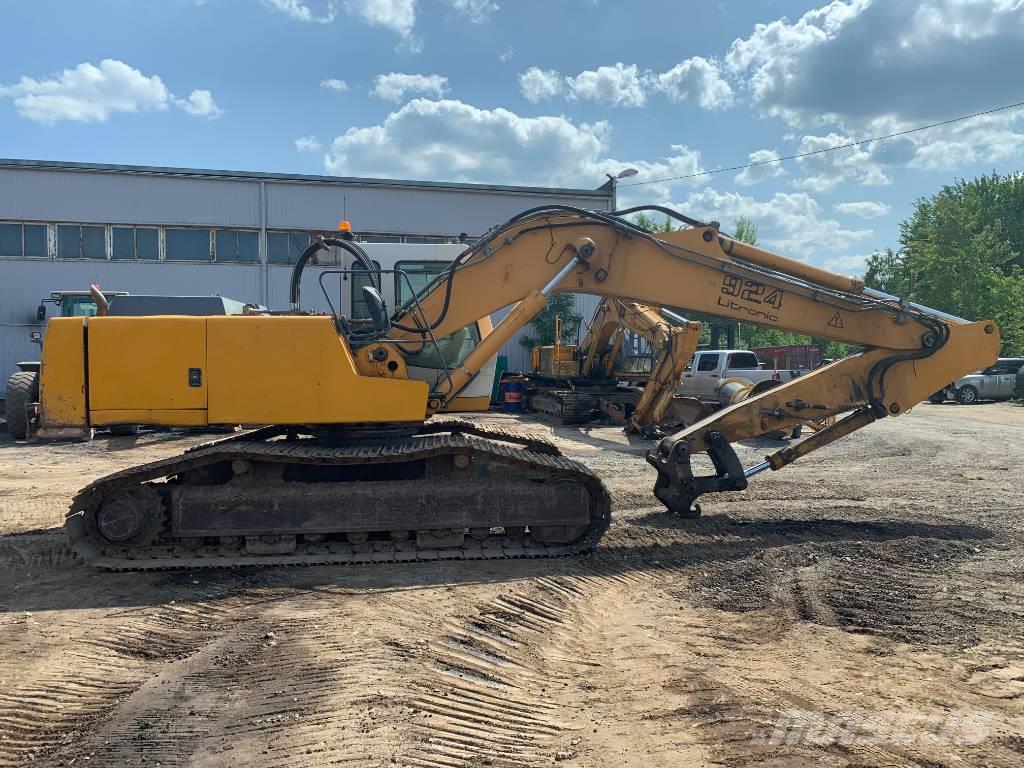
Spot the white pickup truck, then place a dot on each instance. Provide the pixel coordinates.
(723, 376)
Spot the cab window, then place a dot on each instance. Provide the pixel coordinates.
(707, 363)
(454, 349)
(419, 273)
(78, 306)
(746, 361)
(360, 278)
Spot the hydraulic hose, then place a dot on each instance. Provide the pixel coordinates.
(321, 244)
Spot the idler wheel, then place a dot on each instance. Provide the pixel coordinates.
(130, 517)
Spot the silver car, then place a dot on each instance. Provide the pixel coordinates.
(993, 383)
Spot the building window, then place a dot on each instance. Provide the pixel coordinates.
(360, 278)
(23, 241)
(419, 273)
(187, 244)
(81, 241)
(286, 247)
(35, 241)
(10, 241)
(122, 243)
(130, 243)
(94, 242)
(235, 245)
(147, 243)
(69, 241)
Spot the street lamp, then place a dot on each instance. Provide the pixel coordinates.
(625, 173)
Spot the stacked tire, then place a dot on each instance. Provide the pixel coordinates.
(22, 391)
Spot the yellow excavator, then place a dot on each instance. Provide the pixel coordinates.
(350, 467)
(576, 383)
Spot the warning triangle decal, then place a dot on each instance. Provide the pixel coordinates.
(836, 321)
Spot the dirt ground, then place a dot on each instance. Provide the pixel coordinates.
(864, 607)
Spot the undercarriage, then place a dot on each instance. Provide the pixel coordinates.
(444, 490)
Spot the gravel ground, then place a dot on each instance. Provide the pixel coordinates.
(863, 607)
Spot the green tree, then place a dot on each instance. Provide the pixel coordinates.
(542, 327)
(745, 231)
(648, 223)
(962, 251)
(886, 272)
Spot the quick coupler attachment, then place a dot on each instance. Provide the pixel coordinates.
(677, 487)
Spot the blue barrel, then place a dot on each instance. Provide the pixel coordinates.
(514, 393)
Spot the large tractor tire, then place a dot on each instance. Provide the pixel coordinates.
(22, 391)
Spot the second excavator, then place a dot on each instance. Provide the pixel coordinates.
(350, 467)
(576, 383)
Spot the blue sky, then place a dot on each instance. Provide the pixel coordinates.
(551, 93)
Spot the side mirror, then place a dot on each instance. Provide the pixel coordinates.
(378, 310)
(41, 313)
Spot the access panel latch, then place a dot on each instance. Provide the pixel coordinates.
(677, 487)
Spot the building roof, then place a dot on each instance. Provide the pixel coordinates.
(604, 191)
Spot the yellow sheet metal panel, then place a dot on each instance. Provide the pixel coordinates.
(62, 383)
(165, 418)
(297, 370)
(147, 363)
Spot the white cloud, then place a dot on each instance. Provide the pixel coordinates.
(201, 104)
(697, 79)
(296, 9)
(395, 85)
(538, 84)
(854, 265)
(396, 15)
(90, 93)
(507, 54)
(334, 84)
(865, 63)
(618, 85)
(866, 209)
(768, 169)
(790, 223)
(308, 144)
(827, 169)
(477, 11)
(626, 85)
(453, 141)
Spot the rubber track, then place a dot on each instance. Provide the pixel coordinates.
(505, 446)
(572, 407)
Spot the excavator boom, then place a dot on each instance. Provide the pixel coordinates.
(909, 351)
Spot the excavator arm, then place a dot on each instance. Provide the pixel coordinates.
(909, 351)
(674, 345)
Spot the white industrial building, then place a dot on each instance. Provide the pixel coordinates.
(179, 231)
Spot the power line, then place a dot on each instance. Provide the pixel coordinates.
(827, 149)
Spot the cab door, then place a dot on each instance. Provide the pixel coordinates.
(1007, 377)
(706, 372)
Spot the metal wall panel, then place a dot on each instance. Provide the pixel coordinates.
(427, 211)
(120, 198)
